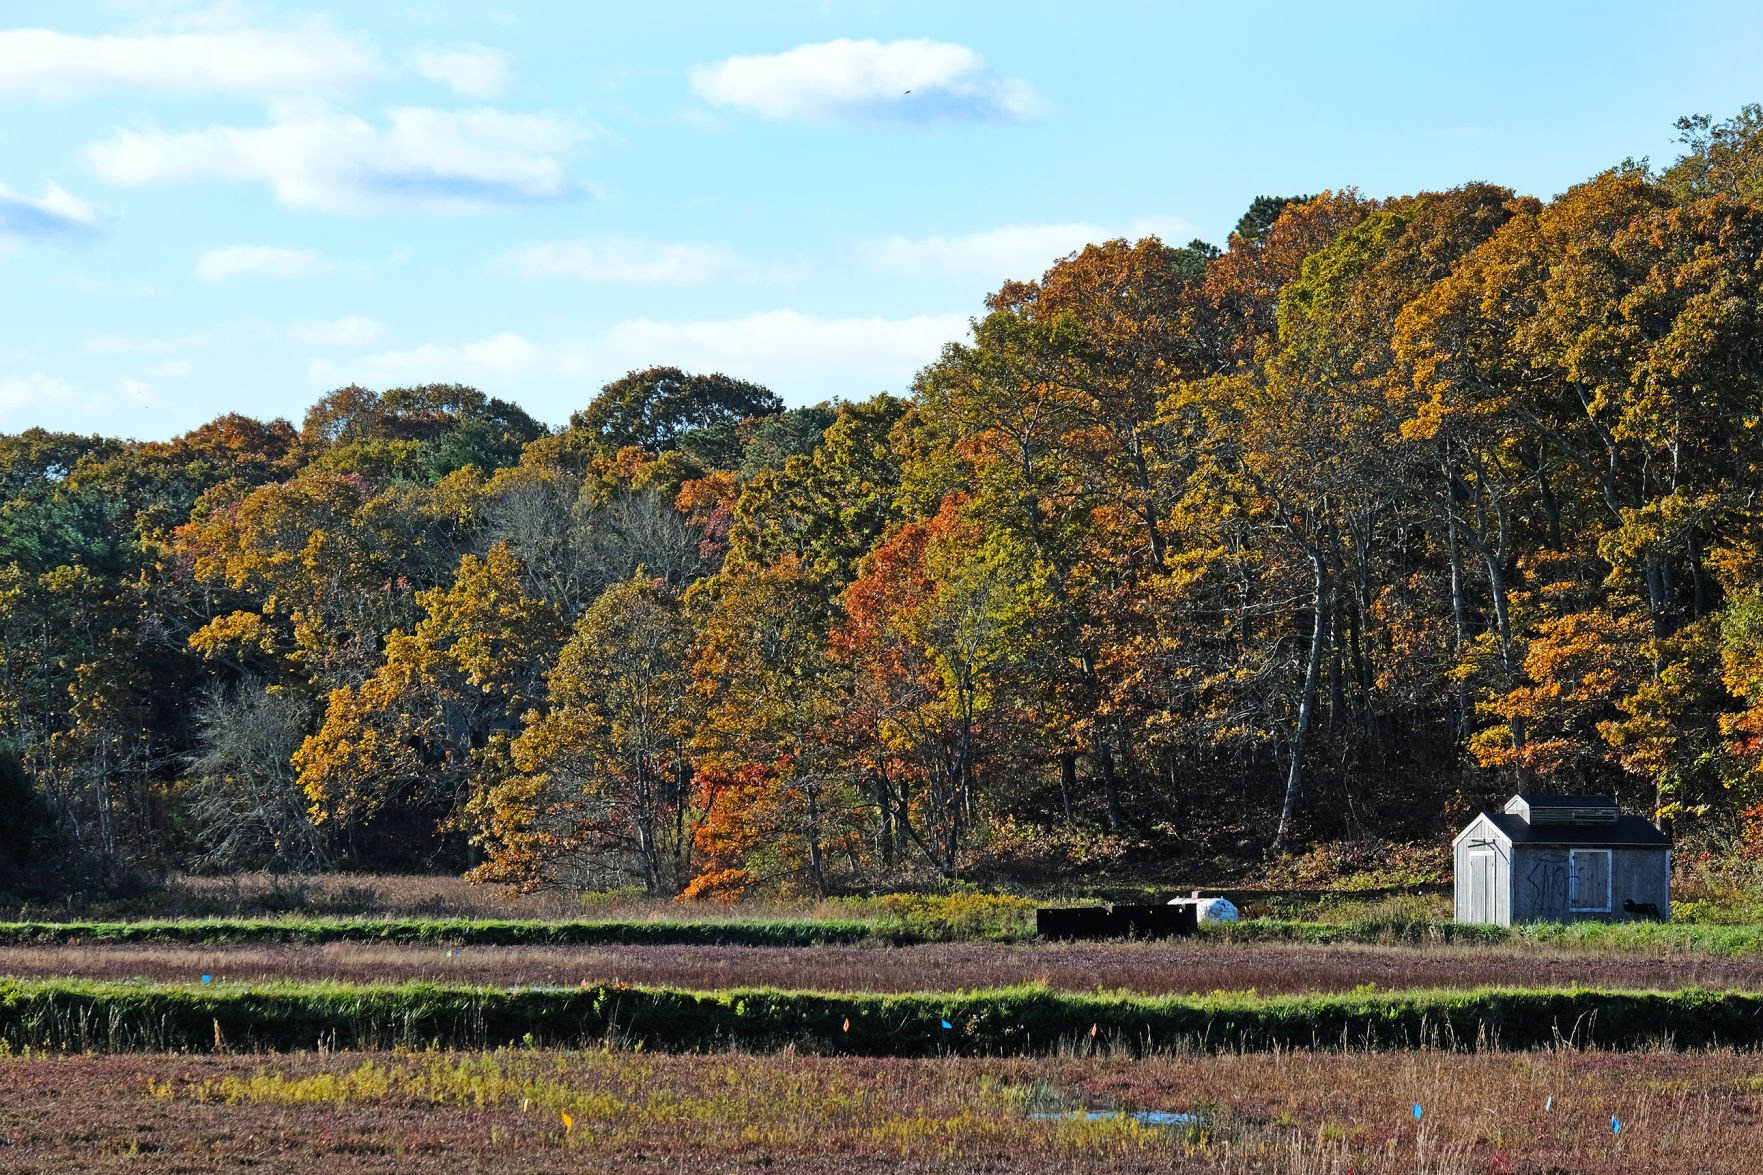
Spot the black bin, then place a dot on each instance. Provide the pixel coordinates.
(1118, 921)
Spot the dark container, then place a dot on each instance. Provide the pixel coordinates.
(1119, 921)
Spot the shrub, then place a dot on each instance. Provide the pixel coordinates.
(947, 917)
(64, 1014)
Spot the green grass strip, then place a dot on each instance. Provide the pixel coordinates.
(83, 1015)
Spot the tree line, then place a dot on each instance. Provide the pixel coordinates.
(1387, 508)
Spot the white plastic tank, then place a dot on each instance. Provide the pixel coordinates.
(1208, 909)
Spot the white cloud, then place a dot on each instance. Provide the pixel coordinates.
(109, 287)
(115, 344)
(500, 357)
(835, 81)
(476, 71)
(628, 261)
(1022, 251)
(37, 390)
(228, 262)
(803, 357)
(56, 214)
(785, 346)
(351, 330)
(307, 59)
(425, 158)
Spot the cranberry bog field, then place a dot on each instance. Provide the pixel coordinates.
(866, 1043)
(521, 1110)
(1176, 967)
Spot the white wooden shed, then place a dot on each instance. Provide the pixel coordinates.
(1552, 858)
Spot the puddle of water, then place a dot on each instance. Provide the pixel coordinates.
(1142, 1117)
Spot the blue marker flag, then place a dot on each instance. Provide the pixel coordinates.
(1417, 1109)
(1550, 1104)
(208, 979)
(1615, 1126)
(946, 1024)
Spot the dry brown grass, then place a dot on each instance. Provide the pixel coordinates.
(396, 895)
(1298, 1113)
(371, 894)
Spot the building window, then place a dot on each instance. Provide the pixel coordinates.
(1588, 881)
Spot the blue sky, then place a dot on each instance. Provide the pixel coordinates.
(238, 206)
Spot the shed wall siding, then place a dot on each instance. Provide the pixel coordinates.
(1539, 884)
(1542, 890)
(1481, 890)
(1642, 876)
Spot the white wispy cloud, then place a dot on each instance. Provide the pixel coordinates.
(844, 80)
(423, 158)
(504, 356)
(349, 331)
(476, 71)
(19, 393)
(106, 343)
(309, 58)
(171, 369)
(629, 261)
(803, 357)
(55, 215)
(1010, 251)
(786, 346)
(272, 261)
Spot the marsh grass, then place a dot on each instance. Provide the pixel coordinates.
(1675, 938)
(1297, 1112)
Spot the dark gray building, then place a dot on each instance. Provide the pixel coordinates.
(1561, 859)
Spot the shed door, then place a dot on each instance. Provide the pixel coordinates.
(1482, 885)
(1588, 881)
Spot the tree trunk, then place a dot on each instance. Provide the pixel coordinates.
(816, 866)
(1067, 781)
(1306, 703)
(1460, 695)
(1508, 650)
(1110, 788)
(884, 806)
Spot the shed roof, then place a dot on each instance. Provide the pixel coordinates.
(1627, 831)
(1536, 800)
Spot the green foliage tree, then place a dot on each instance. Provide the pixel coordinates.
(656, 407)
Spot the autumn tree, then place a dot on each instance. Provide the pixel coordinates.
(929, 630)
(430, 728)
(601, 786)
(779, 803)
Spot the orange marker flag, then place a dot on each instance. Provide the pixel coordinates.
(1094, 1028)
(847, 1023)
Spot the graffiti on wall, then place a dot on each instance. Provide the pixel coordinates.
(1546, 884)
